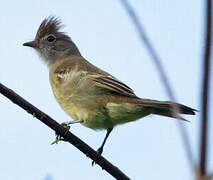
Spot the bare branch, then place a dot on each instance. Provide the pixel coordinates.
(157, 61)
(63, 132)
(205, 88)
(198, 176)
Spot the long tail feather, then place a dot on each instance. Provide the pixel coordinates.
(165, 108)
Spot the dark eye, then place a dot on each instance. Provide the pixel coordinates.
(51, 38)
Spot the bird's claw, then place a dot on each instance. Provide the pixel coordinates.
(99, 151)
(58, 137)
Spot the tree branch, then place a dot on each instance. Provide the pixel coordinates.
(63, 132)
(205, 87)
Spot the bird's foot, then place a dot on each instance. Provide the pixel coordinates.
(99, 151)
(58, 136)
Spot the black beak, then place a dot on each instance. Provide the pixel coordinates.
(32, 44)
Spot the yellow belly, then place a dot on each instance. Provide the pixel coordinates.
(81, 102)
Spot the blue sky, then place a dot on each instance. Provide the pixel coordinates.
(150, 148)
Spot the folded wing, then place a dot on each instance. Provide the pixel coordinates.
(112, 84)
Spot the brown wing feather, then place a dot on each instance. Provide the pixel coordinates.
(112, 84)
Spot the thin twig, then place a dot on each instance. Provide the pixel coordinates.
(63, 132)
(205, 87)
(157, 61)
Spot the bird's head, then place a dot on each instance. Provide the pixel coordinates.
(52, 44)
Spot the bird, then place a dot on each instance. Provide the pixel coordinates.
(89, 95)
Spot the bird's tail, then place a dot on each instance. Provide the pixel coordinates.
(166, 108)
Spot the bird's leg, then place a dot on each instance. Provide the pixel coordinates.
(65, 125)
(100, 150)
(71, 122)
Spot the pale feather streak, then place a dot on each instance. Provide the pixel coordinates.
(116, 85)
